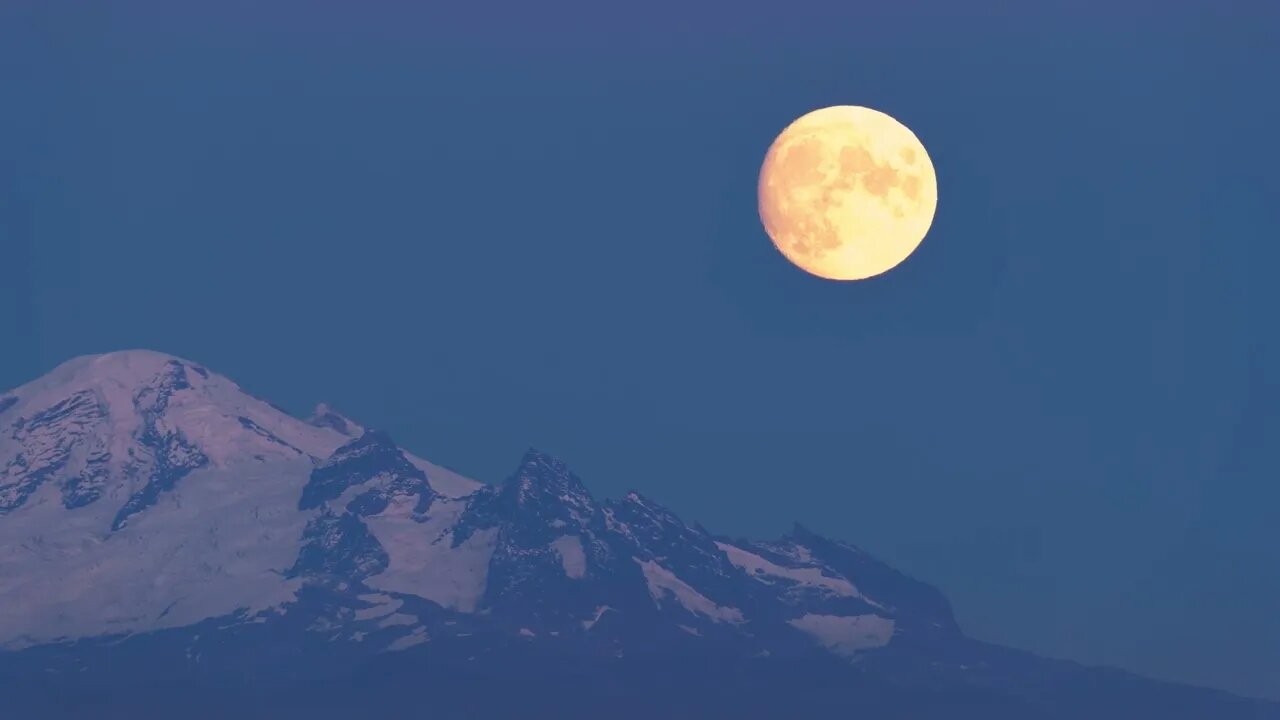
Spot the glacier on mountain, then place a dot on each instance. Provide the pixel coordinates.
(142, 492)
(160, 527)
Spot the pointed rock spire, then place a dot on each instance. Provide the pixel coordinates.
(542, 479)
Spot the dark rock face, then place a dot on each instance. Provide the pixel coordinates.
(153, 398)
(632, 574)
(371, 456)
(47, 440)
(689, 552)
(554, 563)
(339, 546)
(170, 456)
(87, 486)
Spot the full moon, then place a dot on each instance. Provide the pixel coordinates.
(847, 192)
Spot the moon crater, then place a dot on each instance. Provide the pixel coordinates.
(847, 192)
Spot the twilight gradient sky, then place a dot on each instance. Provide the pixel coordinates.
(491, 227)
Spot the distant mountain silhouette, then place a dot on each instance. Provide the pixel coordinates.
(172, 546)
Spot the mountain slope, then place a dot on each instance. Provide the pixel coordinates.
(158, 521)
(139, 491)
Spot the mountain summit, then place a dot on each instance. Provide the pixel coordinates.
(155, 518)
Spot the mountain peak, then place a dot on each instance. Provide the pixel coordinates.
(325, 416)
(800, 532)
(254, 532)
(136, 357)
(545, 471)
(545, 468)
(374, 454)
(127, 368)
(541, 457)
(122, 364)
(544, 485)
(132, 425)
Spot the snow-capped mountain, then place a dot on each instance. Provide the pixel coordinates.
(150, 508)
(141, 492)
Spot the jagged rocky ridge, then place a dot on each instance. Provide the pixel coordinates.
(130, 442)
(151, 508)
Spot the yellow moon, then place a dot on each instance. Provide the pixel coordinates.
(847, 192)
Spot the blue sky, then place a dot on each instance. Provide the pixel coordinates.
(488, 228)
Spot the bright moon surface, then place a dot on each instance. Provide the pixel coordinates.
(847, 192)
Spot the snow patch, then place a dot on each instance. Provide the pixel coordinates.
(383, 605)
(423, 559)
(600, 611)
(846, 635)
(662, 582)
(417, 637)
(801, 553)
(443, 480)
(766, 571)
(217, 544)
(398, 619)
(574, 560)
